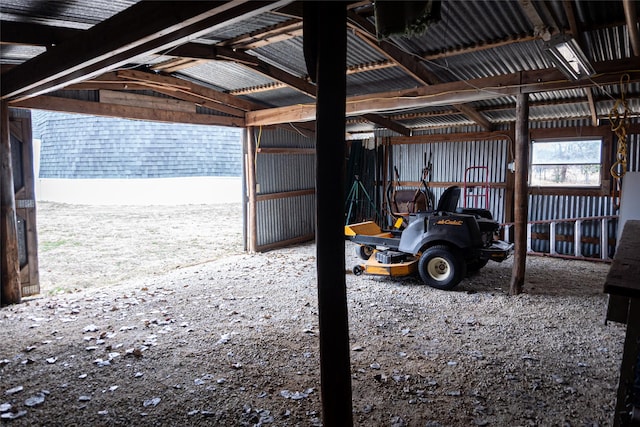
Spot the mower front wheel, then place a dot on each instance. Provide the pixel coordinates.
(441, 267)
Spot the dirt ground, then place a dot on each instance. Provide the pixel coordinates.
(155, 316)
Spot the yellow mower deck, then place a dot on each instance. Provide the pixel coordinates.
(373, 266)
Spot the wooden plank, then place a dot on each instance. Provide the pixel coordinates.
(52, 103)
(264, 36)
(146, 101)
(628, 366)
(201, 100)
(388, 123)
(622, 278)
(10, 292)
(454, 92)
(285, 195)
(26, 207)
(32, 34)
(285, 243)
(451, 137)
(179, 84)
(142, 29)
(287, 150)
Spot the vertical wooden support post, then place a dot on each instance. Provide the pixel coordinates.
(325, 47)
(10, 292)
(521, 196)
(252, 226)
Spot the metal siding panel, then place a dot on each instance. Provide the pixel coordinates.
(289, 217)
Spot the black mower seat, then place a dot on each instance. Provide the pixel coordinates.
(449, 200)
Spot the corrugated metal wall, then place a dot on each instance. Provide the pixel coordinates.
(451, 160)
(285, 217)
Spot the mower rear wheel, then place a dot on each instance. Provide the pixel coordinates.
(441, 267)
(364, 251)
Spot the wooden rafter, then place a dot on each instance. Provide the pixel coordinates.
(52, 103)
(140, 29)
(274, 33)
(631, 17)
(176, 64)
(179, 85)
(387, 123)
(26, 33)
(540, 28)
(410, 63)
(455, 51)
(455, 92)
(258, 89)
(575, 30)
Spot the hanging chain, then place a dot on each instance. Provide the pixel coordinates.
(619, 118)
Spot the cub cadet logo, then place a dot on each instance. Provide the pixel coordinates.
(449, 222)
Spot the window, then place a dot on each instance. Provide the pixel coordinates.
(565, 163)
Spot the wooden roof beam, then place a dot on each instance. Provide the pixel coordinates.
(410, 63)
(540, 28)
(202, 51)
(265, 36)
(27, 33)
(455, 92)
(631, 17)
(144, 28)
(387, 123)
(579, 36)
(174, 84)
(53, 103)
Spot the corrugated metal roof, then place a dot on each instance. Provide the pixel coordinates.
(608, 44)
(497, 38)
(286, 54)
(62, 13)
(248, 26)
(15, 54)
(225, 75)
(280, 97)
(465, 23)
(382, 80)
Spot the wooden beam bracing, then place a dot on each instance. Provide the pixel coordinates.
(412, 64)
(274, 33)
(151, 28)
(52, 103)
(631, 17)
(455, 92)
(173, 83)
(388, 123)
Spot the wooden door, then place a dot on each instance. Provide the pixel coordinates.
(23, 184)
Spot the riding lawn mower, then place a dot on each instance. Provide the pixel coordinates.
(441, 245)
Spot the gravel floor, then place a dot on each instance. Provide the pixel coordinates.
(225, 338)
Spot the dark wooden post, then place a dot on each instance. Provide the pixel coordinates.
(10, 292)
(521, 196)
(325, 50)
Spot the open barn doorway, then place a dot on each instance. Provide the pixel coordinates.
(119, 200)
